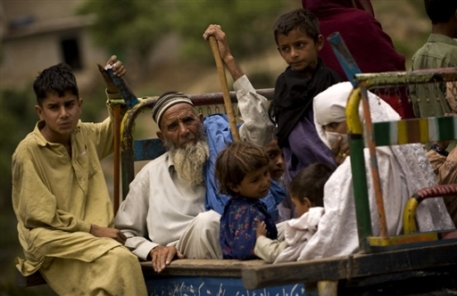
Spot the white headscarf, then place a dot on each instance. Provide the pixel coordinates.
(402, 169)
(330, 106)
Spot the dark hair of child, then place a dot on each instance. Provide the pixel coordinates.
(56, 79)
(300, 18)
(440, 11)
(310, 182)
(236, 161)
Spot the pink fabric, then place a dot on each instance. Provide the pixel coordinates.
(370, 46)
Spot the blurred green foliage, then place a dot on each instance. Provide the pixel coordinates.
(17, 119)
(135, 26)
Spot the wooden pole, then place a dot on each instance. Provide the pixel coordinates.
(224, 86)
(117, 156)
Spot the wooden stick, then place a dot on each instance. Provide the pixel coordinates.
(117, 156)
(224, 86)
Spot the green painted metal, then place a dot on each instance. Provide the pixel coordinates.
(377, 80)
(359, 180)
(382, 133)
(446, 127)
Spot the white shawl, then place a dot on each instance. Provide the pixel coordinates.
(297, 233)
(402, 170)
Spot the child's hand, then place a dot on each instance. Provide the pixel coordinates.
(261, 228)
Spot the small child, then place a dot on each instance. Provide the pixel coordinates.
(242, 171)
(277, 167)
(307, 194)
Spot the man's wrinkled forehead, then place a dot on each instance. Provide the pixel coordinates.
(167, 101)
(176, 113)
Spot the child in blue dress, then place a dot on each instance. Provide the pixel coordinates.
(242, 171)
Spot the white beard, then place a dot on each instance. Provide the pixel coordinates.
(189, 161)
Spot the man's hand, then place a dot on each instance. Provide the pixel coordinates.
(261, 228)
(216, 31)
(224, 50)
(340, 152)
(113, 233)
(161, 256)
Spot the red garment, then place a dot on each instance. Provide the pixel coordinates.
(370, 46)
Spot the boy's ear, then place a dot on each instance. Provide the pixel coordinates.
(320, 42)
(39, 111)
(80, 102)
(307, 202)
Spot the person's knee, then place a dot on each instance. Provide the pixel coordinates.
(208, 221)
(122, 255)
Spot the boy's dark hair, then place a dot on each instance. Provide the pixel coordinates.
(236, 161)
(58, 79)
(440, 11)
(310, 182)
(301, 19)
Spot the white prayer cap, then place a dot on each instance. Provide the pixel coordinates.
(167, 100)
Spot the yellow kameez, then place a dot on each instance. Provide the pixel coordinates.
(56, 198)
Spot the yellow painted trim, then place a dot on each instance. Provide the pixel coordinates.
(402, 240)
(352, 113)
(402, 132)
(424, 133)
(409, 216)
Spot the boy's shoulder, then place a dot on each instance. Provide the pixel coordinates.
(27, 145)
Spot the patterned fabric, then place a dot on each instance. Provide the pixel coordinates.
(238, 227)
(218, 134)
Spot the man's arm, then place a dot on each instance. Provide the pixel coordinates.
(444, 167)
(131, 219)
(36, 206)
(257, 127)
(104, 130)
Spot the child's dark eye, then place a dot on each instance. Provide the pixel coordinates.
(272, 155)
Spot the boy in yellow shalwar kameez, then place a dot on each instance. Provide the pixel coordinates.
(60, 197)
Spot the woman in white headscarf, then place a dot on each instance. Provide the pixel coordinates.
(402, 170)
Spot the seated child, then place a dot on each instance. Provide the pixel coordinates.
(307, 194)
(242, 171)
(276, 166)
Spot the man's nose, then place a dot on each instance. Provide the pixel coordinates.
(184, 129)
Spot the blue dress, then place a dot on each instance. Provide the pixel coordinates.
(238, 227)
(217, 130)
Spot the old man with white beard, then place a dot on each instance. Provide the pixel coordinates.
(173, 206)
